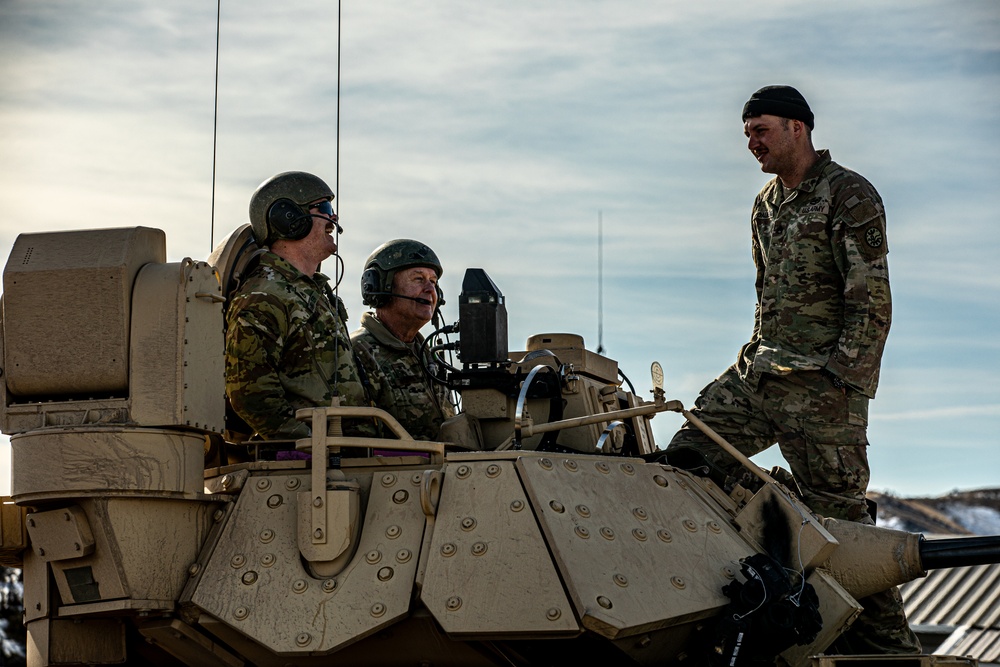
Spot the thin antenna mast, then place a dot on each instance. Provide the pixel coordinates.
(215, 119)
(336, 208)
(600, 282)
(336, 183)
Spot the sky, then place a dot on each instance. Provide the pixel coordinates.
(499, 133)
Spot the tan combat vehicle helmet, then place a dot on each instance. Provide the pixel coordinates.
(390, 257)
(277, 207)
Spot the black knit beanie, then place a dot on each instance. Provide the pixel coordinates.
(783, 101)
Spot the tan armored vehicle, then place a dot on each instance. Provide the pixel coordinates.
(544, 529)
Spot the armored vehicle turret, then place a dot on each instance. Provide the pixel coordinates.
(543, 527)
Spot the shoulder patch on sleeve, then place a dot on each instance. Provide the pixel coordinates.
(870, 239)
(861, 211)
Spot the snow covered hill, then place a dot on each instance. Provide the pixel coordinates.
(959, 513)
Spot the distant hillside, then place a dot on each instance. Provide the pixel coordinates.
(958, 513)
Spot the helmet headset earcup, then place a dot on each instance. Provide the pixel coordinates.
(288, 220)
(372, 292)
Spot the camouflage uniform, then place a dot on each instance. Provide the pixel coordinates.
(287, 348)
(399, 384)
(822, 317)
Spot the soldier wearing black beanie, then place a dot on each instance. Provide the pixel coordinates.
(783, 101)
(823, 311)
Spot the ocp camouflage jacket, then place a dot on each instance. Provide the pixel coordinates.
(823, 297)
(287, 348)
(399, 384)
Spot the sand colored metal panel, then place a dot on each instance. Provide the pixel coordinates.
(96, 577)
(142, 548)
(98, 460)
(23, 417)
(37, 587)
(157, 540)
(808, 542)
(60, 534)
(177, 374)
(67, 298)
(571, 350)
(637, 548)
(60, 642)
(255, 581)
(488, 569)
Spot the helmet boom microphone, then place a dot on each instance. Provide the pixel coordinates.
(426, 302)
(340, 230)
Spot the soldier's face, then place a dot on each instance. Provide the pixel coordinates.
(322, 238)
(416, 282)
(771, 142)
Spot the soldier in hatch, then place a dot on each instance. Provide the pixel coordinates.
(287, 345)
(812, 364)
(400, 281)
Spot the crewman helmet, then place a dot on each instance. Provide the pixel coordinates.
(279, 207)
(388, 259)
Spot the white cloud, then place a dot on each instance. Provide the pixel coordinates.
(496, 132)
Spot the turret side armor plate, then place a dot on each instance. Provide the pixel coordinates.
(255, 581)
(636, 546)
(489, 572)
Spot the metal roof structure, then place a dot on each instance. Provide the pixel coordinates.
(962, 605)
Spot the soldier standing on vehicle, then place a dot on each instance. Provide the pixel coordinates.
(823, 313)
(287, 345)
(400, 281)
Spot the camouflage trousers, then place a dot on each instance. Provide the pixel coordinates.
(822, 434)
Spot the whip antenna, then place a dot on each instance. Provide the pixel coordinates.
(336, 209)
(336, 183)
(215, 118)
(600, 282)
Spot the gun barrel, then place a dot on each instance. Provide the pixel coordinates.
(869, 559)
(959, 551)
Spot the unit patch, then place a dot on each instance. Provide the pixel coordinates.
(874, 238)
(870, 240)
